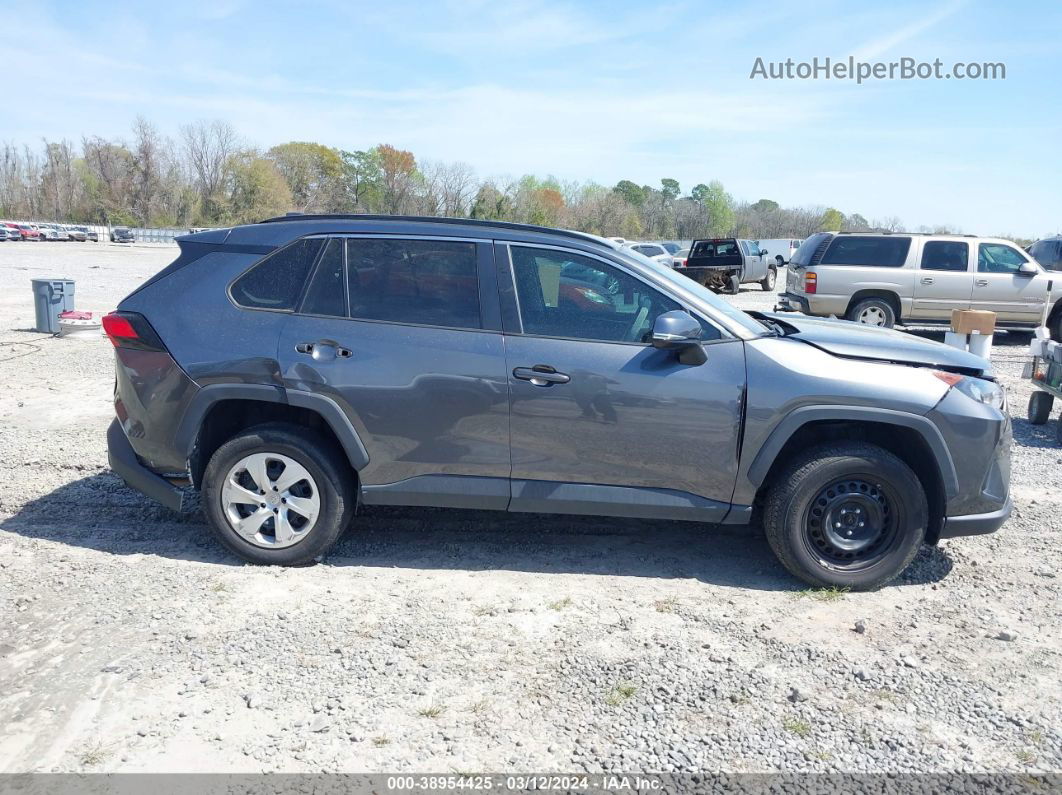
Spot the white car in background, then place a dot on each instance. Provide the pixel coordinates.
(678, 259)
(780, 250)
(47, 232)
(653, 251)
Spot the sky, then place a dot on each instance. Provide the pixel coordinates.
(602, 91)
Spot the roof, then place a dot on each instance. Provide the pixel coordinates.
(367, 219)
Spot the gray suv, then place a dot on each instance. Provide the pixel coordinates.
(293, 369)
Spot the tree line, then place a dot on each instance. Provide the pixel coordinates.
(207, 176)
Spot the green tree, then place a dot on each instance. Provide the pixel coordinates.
(257, 189)
(765, 206)
(719, 206)
(313, 172)
(832, 220)
(670, 188)
(362, 174)
(630, 192)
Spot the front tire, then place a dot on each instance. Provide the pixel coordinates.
(846, 515)
(278, 494)
(769, 280)
(873, 312)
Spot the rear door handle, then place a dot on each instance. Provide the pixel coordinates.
(927, 280)
(982, 282)
(541, 375)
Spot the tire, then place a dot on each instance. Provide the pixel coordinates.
(733, 284)
(1054, 325)
(329, 480)
(769, 280)
(829, 482)
(1040, 407)
(1058, 429)
(873, 312)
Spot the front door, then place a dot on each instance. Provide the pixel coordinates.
(999, 287)
(396, 333)
(944, 280)
(601, 422)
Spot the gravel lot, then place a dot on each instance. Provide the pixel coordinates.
(457, 641)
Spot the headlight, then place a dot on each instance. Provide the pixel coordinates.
(988, 392)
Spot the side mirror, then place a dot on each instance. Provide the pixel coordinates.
(1028, 269)
(679, 331)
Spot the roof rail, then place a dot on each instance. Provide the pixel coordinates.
(430, 219)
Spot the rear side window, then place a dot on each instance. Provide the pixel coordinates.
(276, 282)
(426, 282)
(881, 252)
(327, 293)
(807, 251)
(945, 255)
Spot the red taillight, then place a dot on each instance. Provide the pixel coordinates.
(118, 328)
(811, 283)
(131, 330)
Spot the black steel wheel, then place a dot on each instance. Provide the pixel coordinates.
(850, 524)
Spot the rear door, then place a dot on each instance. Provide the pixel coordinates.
(404, 334)
(1000, 288)
(944, 280)
(602, 422)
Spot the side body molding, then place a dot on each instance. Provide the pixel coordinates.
(929, 432)
(200, 405)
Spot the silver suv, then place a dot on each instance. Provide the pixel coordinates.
(882, 279)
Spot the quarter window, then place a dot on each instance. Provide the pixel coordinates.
(327, 293)
(1048, 253)
(427, 282)
(882, 252)
(998, 258)
(568, 295)
(945, 255)
(276, 282)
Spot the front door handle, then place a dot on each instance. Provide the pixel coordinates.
(982, 282)
(323, 349)
(541, 375)
(927, 280)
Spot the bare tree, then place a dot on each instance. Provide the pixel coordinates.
(209, 147)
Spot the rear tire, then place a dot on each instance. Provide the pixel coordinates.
(873, 312)
(1040, 404)
(733, 284)
(326, 491)
(769, 280)
(846, 515)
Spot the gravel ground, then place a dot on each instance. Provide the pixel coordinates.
(457, 641)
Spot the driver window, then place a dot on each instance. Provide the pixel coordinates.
(566, 295)
(997, 258)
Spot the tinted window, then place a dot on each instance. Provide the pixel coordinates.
(566, 295)
(884, 252)
(1048, 253)
(276, 282)
(671, 248)
(806, 252)
(327, 293)
(714, 248)
(428, 282)
(998, 258)
(945, 255)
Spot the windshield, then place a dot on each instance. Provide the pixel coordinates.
(705, 295)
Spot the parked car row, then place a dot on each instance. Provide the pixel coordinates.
(23, 230)
(885, 279)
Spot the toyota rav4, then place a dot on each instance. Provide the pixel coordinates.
(295, 369)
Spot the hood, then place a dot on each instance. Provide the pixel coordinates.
(856, 341)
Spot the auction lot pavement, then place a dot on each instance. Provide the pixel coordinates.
(457, 641)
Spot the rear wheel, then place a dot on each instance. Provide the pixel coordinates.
(769, 280)
(733, 284)
(278, 494)
(846, 515)
(1040, 407)
(873, 312)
